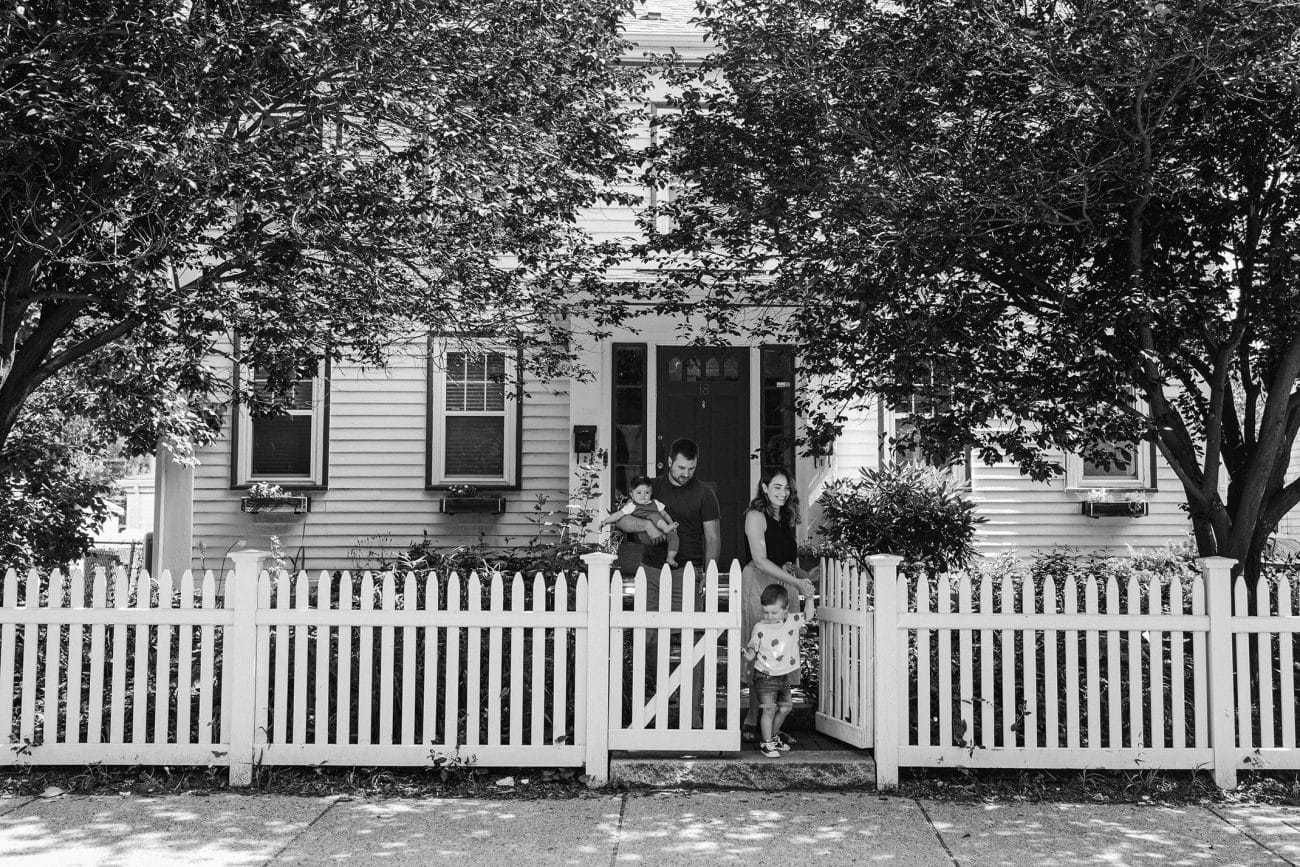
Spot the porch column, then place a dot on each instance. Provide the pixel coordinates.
(173, 516)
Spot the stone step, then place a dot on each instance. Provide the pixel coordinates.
(835, 768)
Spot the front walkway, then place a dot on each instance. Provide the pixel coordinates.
(750, 828)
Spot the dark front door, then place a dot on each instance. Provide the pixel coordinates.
(704, 395)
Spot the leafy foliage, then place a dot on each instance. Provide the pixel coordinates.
(914, 511)
(316, 179)
(1023, 213)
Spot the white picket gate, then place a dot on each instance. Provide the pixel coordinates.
(658, 654)
(845, 709)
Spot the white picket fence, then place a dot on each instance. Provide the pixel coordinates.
(1085, 675)
(395, 670)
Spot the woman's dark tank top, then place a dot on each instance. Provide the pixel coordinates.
(779, 537)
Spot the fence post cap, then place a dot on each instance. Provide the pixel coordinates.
(884, 559)
(1217, 562)
(597, 558)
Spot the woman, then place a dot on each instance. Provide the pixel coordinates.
(771, 554)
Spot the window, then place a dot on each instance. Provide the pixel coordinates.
(661, 196)
(776, 410)
(629, 458)
(289, 448)
(1131, 468)
(474, 420)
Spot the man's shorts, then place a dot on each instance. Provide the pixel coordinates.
(773, 691)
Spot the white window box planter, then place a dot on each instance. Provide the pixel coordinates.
(1117, 509)
(291, 504)
(477, 504)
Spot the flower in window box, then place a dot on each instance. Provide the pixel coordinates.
(265, 491)
(462, 490)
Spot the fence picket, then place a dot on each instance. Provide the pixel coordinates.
(1029, 667)
(1200, 673)
(365, 663)
(537, 673)
(1092, 651)
(344, 703)
(301, 686)
(280, 697)
(686, 692)
(72, 721)
(321, 714)
(95, 700)
(710, 708)
(473, 665)
(965, 706)
(517, 664)
(387, 602)
(923, 660)
(943, 604)
(1114, 678)
(1286, 667)
(1177, 670)
(162, 671)
(617, 649)
(639, 667)
(988, 699)
(429, 734)
(496, 603)
(50, 689)
(1264, 647)
(1245, 734)
(207, 645)
(185, 662)
(263, 698)
(1155, 667)
(140, 672)
(452, 678)
(409, 603)
(1136, 719)
(1008, 694)
(663, 648)
(1051, 710)
(1071, 666)
(117, 696)
(560, 643)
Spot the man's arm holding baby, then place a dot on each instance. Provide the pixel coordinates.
(631, 524)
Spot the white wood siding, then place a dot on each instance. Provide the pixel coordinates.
(376, 497)
(1290, 524)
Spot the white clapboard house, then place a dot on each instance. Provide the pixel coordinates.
(378, 455)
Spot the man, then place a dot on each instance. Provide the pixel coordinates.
(693, 505)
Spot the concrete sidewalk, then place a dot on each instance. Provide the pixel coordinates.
(667, 828)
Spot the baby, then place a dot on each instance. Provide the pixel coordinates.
(774, 649)
(643, 505)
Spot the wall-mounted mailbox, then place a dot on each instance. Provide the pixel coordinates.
(584, 439)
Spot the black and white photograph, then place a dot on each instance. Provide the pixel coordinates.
(656, 432)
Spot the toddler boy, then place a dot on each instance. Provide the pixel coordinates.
(774, 648)
(643, 505)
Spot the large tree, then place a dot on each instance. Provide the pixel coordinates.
(1036, 211)
(310, 178)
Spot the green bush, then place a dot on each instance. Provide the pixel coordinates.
(913, 511)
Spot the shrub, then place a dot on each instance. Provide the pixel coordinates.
(913, 511)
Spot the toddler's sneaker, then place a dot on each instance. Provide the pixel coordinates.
(771, 749)
(780, 742)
